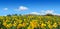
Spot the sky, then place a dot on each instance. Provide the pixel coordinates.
(39, 7)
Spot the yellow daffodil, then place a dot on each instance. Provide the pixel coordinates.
(14, 24)
(50, 26)
(55, 25)
(19, 25)
(43, 25)
(24, 24)
(4, 23)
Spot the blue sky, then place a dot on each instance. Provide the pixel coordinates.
(29, 7)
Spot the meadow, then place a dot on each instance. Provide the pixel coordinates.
(30, 22)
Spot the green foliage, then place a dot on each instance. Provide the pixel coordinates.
(29, 21)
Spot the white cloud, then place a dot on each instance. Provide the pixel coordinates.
(47, 11)
(56, 14)
(22, 8)
(35, 13)
(43, 12)
(5, 9)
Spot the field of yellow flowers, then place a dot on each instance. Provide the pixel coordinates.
(30, 22)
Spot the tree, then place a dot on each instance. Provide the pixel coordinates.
(49, 15)
(9, 15)
(15, 15)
